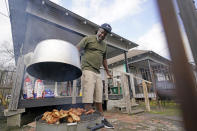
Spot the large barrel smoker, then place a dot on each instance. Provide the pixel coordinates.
(59, 61)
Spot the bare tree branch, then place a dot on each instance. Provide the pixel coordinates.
(6, 55)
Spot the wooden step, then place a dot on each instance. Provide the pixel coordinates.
(136, 111)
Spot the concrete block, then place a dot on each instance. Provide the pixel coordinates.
(111, 104)
(14, 120)
(13, 117)
(114, 103)
(11, 113)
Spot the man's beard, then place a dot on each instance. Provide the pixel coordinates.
(99, 39)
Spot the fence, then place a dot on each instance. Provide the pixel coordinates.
(137, 82)
(6, 81)
(125, 80)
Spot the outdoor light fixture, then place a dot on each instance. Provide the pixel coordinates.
(66, 13)
(85, 22)
(43, 2)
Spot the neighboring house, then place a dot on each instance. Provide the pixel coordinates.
(147, 65)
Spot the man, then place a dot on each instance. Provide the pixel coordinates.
(93, 58)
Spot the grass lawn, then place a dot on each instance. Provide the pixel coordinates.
(170, 108)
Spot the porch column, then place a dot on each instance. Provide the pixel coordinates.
(153, 79)
(128, 71)
(126, 62)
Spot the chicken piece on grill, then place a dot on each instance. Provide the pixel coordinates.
(71, 109)
(46, 114)
(76, 112)
(70, 120)
(63, 113)
(90, 111)
(56, 113)
(81, 110)
(74, 116)
(52, 120)
(49, 118)
(54, 110)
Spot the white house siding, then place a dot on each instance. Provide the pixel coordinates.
(118, 69)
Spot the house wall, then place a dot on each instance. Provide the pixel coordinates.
(162, 77)
(116, 70)
(121, 68)
(136, 71)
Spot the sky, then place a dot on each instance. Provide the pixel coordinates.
(135, 20)
(5, 34)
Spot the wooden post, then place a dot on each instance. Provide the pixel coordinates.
(74, 94)
(105, 84)
(189, 17)
(128, 71)
(125, 92)
(154, 84)
(153, 79)
(118, 85)
(133, 88)
(17, 84)
(146, 96)
(183, 74)
(62, 87)
(106, 88)
(55, 92)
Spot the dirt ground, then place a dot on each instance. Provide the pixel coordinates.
(167, 120)
(145, 122)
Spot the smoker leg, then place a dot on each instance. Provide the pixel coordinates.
(133, 102)
(14, 117)
(14, 120)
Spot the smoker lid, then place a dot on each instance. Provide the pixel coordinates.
(54, 71)
(55, 60)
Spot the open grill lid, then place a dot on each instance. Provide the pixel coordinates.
(55, 60)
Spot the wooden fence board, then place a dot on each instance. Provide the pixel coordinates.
(74, 93)
(17, 84)
(125, 92)
(147, 104)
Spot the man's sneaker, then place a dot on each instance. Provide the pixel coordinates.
(107, 124)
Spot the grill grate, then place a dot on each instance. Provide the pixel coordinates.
(90, 117)
(83, 117)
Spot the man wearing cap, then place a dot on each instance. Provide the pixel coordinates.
(93, 58)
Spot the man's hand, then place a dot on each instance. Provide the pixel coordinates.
(110, 76)
(106, 68)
